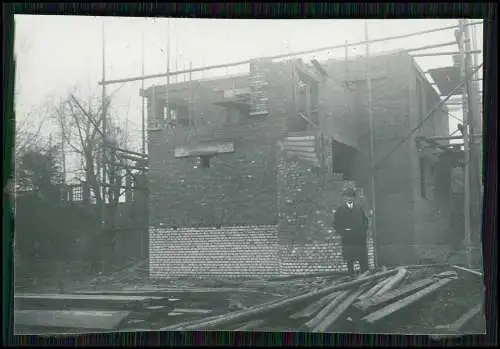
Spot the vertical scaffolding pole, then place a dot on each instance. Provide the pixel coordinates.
(104, 122)
(176, 64)
(465, 111)
(474, 101)
(143, 113)
(475, 146)
(191, 100)
(372, 146)
(167, 91)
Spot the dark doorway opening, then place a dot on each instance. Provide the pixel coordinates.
(344, 160)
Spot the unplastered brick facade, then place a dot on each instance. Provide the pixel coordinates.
(238, 251)
(258, 186)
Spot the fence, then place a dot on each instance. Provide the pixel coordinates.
(64, 238)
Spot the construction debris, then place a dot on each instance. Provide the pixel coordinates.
(338, 311)
(475, 272)
(393, 282)
(369, 302)
(392, 308)
(313, 308)
(326, 303)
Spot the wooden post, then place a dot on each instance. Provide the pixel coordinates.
(129, 197)
(346, 72)
(102, 192)
(372, 145)
(475, 144)
(143, 114)
(465, 111)
(167, 86)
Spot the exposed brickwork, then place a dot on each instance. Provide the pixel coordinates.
(243, 251)
(238, 188)
(240, 252)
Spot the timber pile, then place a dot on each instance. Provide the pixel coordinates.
(411, 300)
(372, 302)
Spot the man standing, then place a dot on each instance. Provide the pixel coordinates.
(351, 224)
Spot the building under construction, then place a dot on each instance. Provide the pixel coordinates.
(245, 170)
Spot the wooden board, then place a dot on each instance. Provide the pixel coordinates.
(313, 308)
(315, 321)
(82, 301)
(403, 303)
(300, 138)
(307, 144)
(90, 319)
(371, 292)
(338, 311)
(236, 92)
(475, 272)
(192, 311)
(304, 149)
(369, 302)
(117, 298)
(200, 150)
(393, 282)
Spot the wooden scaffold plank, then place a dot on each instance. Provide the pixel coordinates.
(89, 319)
(405, 302)
(371, 302)
(262, 309)
(338, 311)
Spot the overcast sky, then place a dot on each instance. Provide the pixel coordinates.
(59, 53)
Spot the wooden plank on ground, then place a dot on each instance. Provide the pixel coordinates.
(393, 282)
(251, 325)
(338, 311)
(192, 311)
(475, 272)
(331, 305)
(89, 319)
(371, 292)
(463, 320)
(305, 149)
(89, 297)
(262, 309)
(402, 303)
(300, 138)
(308, 144)
(326, 310)
(366, 303)
(313, 308)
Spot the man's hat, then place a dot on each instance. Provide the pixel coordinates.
(349, 192)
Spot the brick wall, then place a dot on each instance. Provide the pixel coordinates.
(238, 188)
(241, 251)
(244, 251)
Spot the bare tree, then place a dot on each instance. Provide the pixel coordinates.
(81, 123)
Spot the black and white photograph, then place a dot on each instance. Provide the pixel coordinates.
(284, 175)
